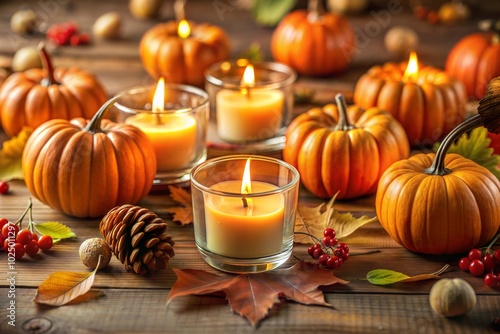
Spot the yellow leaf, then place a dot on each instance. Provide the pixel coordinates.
(11, 156)
(62, 287)
(183, 215)
(314, 220)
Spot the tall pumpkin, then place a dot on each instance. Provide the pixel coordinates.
(37, 95)
(336, 149)
(475, 60)
(314, 42)
(443, 204)
(84, 169)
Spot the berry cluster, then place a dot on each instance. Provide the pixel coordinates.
(67, 33)
(328, 251)
(22, 241)
(480, 263)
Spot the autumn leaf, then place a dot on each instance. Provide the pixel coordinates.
(314, 220)
(56, 230)
(63, 287)
(11, 156)
(184, 214)
(386, 276)
(252, 296)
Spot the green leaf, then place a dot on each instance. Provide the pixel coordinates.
(386, 276)
(11, 156)
(253, 53)
(55, 229)
(475, 146)
(270, 12)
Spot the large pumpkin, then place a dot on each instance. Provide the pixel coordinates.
(345, 151)
(475, 60)
(313, 42)
(183, 60)
(37, 95)
(84, 169)
(428, 106)
(442, 204)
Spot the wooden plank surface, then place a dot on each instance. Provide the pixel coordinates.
(134, 304)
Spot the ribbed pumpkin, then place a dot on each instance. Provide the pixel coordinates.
(428, 106)
(84, 169)
(475, 60)
(442, 204)
(37, 95)
(183, 60)
(314, 42)
(345, 150)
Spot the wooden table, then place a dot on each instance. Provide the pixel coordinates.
(135, 304)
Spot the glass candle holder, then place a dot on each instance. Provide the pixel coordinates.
(178, 132)
(244, 212)
(250, 108)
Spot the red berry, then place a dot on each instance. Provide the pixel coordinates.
(491, 280)
(489, 262)
(31, 248)
(317, 253)
(496, 255)
(475, 254)
(34, 236)
(327, 241)
(344, 246)
(310, 251)
(476, 267)
(18, 251)
(9, 230)
(333, 262)
(2, 241)
(464, 264)
(6, 245)
(346, 257)
(3, 221)
(329, 232)
(323, 259)
(4, 187)
(45, 242)
(24, 237)
(339, 252)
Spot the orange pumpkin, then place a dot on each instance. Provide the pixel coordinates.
(37, 95)
(84, 169)
(428, 106)
(439, 204)
(345, 151)
(475, 60)
(183, 60)
(313, 42)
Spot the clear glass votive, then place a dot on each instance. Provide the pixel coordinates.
(178, 132)
(254, 108)
(243, 215)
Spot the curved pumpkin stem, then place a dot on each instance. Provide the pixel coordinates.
(94, 125)
(315, 9)
(437, 167)
(343, 123)
(47, 65)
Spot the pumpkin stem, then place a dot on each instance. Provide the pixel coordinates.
(489, 106)
(94, 125)
(315, 9)
(47, 65)
(343, 123)
(179, 10)
(437, 167)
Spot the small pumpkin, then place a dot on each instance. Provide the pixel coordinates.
(85, 168)
(443, 203)
(37, 95)
(183, 60)
(428, 106)
(344, 150)
(475, 60)
(451, 297)
(314, 42)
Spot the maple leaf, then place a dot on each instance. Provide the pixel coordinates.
(252, 296)
(184, 214)
(314, 220)
(11, 156)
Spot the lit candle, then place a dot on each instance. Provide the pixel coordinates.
(250, 113)
(173, 134)
(244, 227)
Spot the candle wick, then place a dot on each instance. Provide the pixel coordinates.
(245, 202)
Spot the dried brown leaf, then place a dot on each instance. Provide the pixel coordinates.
(252, 296)
(183, 215)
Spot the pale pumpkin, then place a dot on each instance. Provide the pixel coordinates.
(342, 150)
(314, 42)
(451, 297)
(183, 60)
(428, 106)
(37, 95)
(84, 169)
(443, 203)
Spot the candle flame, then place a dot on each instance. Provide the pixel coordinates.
(248, 76)
(159, 97)
(183, 29)
(246, 188)
(411, 72)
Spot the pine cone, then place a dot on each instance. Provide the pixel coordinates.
(138, 238)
